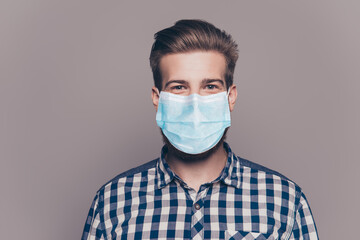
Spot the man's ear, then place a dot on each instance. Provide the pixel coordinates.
(155, 96)
(232, 97)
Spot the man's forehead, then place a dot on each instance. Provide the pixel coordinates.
(198, 65)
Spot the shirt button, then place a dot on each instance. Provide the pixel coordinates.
(197, 206)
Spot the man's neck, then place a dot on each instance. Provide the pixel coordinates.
(196, 173)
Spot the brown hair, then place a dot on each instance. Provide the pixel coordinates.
(192, 35)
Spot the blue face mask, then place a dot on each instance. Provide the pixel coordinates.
(193, 124)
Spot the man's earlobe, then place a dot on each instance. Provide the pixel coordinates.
(155, 94)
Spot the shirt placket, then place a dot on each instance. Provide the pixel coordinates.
(197, 218)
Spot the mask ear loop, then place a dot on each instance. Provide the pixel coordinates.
(228, 94)
(157, 91)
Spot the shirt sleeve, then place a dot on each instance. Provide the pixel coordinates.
(94, 228)
(304, 225)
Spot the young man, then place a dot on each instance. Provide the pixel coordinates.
(198, 188)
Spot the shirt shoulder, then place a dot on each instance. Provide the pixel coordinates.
(257, 167)
(131, 172)
(269, 176)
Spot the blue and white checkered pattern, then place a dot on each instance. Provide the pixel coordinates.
(247, 201)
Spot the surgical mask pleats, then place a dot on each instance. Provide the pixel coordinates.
(193, 124)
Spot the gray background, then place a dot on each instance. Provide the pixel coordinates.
(76, 109)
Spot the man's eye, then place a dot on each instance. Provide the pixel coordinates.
(179, 87)
(211, 86)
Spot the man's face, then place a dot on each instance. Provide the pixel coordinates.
(195, 72)
(201, 72)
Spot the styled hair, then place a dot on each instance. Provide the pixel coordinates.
(193, 35)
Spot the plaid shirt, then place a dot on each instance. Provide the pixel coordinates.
(247, 201)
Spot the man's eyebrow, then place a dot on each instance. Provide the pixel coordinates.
(211, 80)
(174, 81)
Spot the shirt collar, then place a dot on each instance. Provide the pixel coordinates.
(230, 175)
(164, 174)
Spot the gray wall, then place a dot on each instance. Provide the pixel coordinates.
(76, 110)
